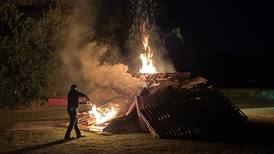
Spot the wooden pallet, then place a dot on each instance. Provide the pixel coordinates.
(197, 108)
(163, 123)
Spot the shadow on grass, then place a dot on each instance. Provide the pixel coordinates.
(37, 147)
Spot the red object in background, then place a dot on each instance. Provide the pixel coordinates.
(57, 101)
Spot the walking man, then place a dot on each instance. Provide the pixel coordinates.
(73, 97)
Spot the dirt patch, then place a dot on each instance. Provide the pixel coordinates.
(38, 125)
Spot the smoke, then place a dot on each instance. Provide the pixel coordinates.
(99, 78)
(92, 63)
(96, 64)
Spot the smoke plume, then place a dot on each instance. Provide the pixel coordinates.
(96, 64)
(92, 64)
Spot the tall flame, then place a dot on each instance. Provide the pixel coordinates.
(147, 57)
(102, 117)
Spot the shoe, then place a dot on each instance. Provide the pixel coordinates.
(68, 138)
(81, 136)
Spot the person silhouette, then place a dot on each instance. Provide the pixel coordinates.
(73, 97)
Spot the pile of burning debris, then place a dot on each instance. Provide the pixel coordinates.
(172, 105)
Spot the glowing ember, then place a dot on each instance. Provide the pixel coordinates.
(147, 57)
(102, 117)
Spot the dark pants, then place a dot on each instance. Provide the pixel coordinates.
(73, 123)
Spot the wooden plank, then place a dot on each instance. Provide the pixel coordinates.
(152, 131)
(150, 115)
(131, 108)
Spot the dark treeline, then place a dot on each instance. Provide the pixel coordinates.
(27, 56)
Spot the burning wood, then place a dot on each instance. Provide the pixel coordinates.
(103, 114)
(97, 118)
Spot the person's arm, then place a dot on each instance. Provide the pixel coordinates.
(82, 95)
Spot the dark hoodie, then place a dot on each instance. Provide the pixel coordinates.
(73, 97)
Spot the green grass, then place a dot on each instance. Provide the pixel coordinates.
(9, 118)
(50, 140)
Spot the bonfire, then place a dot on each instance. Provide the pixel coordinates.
(98, 118)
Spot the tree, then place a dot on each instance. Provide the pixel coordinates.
(27, 53)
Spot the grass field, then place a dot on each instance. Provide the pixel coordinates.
(255, 137)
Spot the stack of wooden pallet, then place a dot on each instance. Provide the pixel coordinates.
(175, 105)
(172, 105)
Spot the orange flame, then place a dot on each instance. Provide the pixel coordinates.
(102, 117)
(147, 57)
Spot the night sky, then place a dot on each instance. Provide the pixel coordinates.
(229, 42)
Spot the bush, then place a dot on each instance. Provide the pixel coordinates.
(27, 53)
